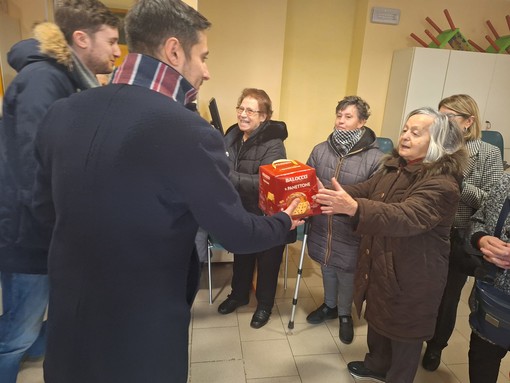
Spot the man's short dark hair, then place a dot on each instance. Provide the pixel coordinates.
(83, 15)
(149, 23)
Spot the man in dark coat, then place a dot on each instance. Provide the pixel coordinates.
(127, 174)
(62, 59)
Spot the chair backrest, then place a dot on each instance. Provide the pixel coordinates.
(385, 144)
(215, 115)
(495, 138)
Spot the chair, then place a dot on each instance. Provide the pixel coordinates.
(385, 144)
(495, 138)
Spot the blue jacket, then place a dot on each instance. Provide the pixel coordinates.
(42, 79)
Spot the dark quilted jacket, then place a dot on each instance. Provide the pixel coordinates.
(264, 146)
(404, 215)
(332, 241)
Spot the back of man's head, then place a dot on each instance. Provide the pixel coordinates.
(83, 15)
(149, 23)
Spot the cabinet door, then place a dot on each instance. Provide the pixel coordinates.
(498, 100)
(470, 73)
(416, 80)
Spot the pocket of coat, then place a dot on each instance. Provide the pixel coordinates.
(26, 231)
(9, 225)
(9, 217)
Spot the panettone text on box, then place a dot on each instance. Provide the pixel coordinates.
(283, 181)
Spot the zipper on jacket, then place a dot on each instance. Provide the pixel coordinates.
(236, 163)
(329, 238)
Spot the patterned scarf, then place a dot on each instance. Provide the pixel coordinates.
(141, 70)
(344, 140)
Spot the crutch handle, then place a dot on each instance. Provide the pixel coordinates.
(306, 227)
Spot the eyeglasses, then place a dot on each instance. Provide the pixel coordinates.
(249, 112)
(451, 116)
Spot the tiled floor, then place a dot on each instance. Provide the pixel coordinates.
(225, 349)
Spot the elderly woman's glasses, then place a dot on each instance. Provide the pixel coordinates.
(249, 112)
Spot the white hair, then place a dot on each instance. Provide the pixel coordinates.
(445, 136)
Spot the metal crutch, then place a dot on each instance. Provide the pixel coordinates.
(300, 272)
(286, 269)
(209, 253)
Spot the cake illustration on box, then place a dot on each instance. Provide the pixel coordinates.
(285, 180)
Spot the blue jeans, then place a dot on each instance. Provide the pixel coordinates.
(22, 331)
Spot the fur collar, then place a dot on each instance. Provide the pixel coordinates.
(53, 43)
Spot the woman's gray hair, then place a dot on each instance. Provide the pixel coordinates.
(445, 137)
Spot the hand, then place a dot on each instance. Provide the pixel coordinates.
(292, 206)
(495, 251)
(336, 201)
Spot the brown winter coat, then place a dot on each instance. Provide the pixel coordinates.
(405, 213)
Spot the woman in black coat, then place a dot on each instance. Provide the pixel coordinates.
(254, 141)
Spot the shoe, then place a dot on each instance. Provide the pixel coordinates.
(431, 359)
(260, 318)
(359, 371)
(229, 305)
(346, 331)
(321, 314)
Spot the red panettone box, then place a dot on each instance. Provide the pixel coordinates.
(283, 181)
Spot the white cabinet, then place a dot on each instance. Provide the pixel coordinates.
(423, 76)
(417, 79)
(496, 110)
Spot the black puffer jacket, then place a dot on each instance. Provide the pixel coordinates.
(264, 146)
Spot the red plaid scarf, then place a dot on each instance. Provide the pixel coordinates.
(141, 70)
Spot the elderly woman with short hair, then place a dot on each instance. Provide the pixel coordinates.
(404, 214)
